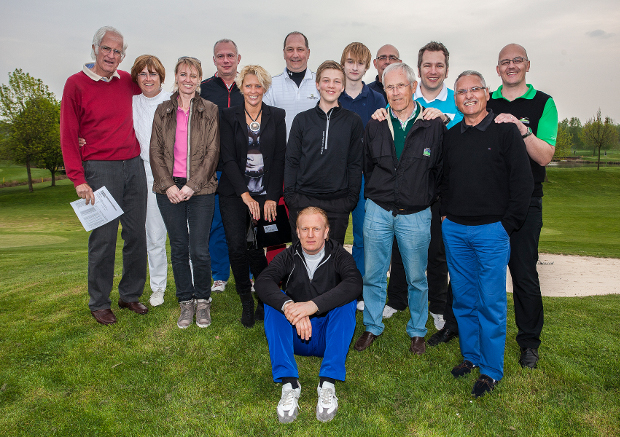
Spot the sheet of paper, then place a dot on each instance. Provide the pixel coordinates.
(103, 211)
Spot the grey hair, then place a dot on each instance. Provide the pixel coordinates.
(470, 73)
(224, 40)
(401, 66)
(99, 36)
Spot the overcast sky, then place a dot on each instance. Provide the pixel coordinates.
(573, 46)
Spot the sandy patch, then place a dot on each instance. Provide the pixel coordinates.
(569, 275)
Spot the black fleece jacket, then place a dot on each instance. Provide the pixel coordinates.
(324, 156)
(336, 281)
(486, 175)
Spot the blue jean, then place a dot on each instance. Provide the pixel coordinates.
(413, 234)
(477, 260)
(331, 337)
(126, 182)
(357, 216)
(218, 248)
(188, 225)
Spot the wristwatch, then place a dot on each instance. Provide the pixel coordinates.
(528, 133)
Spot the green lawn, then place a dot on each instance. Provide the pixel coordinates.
(587, 155)
(61, 374)
(10, 172)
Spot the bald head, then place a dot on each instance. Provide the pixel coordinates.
(512, 48)
(386, 55)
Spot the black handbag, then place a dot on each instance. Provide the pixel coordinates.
(262, 233)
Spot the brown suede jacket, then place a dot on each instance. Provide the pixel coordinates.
(203, 151)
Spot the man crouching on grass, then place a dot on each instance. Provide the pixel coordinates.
(313, 316)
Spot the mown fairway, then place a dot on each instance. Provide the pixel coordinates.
(63, 374)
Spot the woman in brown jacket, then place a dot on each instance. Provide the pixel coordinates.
(184, 155)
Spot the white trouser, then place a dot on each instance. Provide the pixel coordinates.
(155, 237)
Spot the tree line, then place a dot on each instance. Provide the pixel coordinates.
(30, 125)
(30, 128)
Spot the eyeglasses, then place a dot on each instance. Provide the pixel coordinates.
(518, 60)
(144, 75)
(473, 90)
(183, 58)
(399, 87)
(107, 50)
(386, 57)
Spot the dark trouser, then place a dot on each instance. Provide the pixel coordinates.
(235, 216)
(525, 285)
(126, 182)
(335, 210)
(188, 224)
(436, 271)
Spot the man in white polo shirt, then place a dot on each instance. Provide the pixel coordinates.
(294, 90)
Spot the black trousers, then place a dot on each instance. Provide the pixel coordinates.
(436, 271)
(525, 284)
(235, 217)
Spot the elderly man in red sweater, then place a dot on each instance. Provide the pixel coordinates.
(96, 106)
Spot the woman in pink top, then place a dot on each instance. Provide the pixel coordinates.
(184, 154)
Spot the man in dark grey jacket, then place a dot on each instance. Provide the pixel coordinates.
(314, 315)
(323, 165)
(402, 167)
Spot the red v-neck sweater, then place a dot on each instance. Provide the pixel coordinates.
(100, 112)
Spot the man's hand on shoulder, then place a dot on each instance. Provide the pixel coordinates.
(380, 114)
(431, 113)
(509, 118)
(85, 192)
(296, 311)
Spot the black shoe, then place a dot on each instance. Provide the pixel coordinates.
(484, 384)
(463, 369)
(444, 335)
(247, 315)
(529, 357)
(260, 312)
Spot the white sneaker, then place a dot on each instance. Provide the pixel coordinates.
(438, 320)
(218, 286)
(360, 305)
(157, 298)
(327, 406)
(288, 407)
(252, 289)
(388, 312)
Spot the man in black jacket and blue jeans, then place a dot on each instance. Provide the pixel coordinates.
(315, 315)
(323, 165)
(402, 167)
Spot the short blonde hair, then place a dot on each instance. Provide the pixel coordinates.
(358, 52)
(312, 210)
(261, 74)
(192, 63)
(329, 65)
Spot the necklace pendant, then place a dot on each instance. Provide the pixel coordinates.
(255, 126)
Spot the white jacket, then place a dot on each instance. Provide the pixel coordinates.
(285, 94)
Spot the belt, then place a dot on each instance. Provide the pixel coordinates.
(177, 180)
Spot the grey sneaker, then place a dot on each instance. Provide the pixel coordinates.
(327, 406)
(187, 314)
(157, 298)
(203, 312)
(288, 407)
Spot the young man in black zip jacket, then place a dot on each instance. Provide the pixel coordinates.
(323, 165)
(315, 315)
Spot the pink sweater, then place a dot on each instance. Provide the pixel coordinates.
(100, 112)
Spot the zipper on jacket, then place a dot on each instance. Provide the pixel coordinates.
(189, 126)
(326, 133)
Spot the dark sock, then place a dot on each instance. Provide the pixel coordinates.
(323, 379)
(293, 381)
